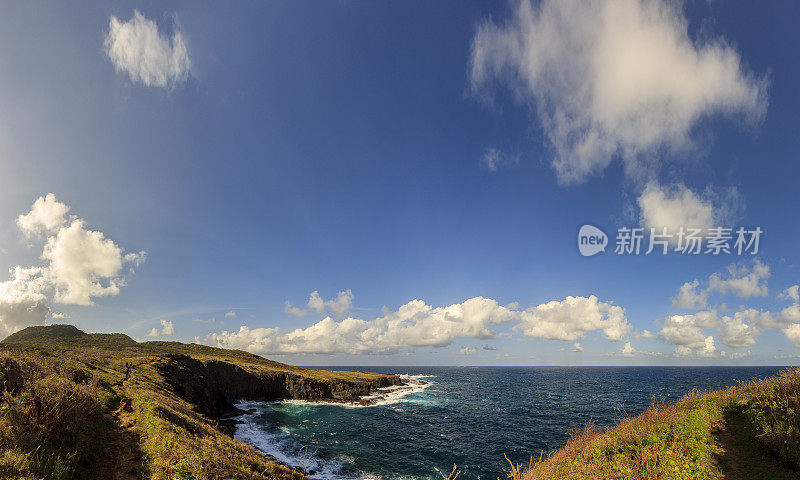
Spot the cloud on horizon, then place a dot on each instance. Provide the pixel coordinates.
(417, 324)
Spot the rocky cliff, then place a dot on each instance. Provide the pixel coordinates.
(213, 386)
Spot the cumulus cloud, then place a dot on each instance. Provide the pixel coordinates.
(577, 347)
(689, 297)
(166, 329)
(494, 159)
(79, 265)
(339, 305)
(83, 264)
(296, 311)
(414, 324)
(686, 330)
(791, 293)
(742, 281)
(417, 324)
(467, 351)
(22, 300)
(627, 350)
(792, 332)
(739, 279)
(705, 349)
(608, 79)
(574, 317)
(137, 48)
(734, 332)
(230, 314)
(674, 207)
(47, 215)
(646, 334)
(741, 329)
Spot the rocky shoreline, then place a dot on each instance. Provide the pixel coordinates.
(215, 386)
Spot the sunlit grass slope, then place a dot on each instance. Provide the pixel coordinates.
(750, 431)
(76, 405)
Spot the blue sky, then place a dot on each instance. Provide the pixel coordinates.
(261, 153)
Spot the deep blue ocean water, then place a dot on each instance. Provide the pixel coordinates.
(468, 416)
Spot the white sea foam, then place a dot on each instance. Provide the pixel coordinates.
(279, 445)
(382, 397)
(277, 442)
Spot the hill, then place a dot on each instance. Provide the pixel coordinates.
(103, 406)
(61, 334)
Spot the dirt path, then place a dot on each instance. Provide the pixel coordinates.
(740, 459)
(125, 460)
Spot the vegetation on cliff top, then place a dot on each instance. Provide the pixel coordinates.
(749, 431)
(102, 406)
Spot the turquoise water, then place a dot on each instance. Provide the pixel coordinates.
(467, 416)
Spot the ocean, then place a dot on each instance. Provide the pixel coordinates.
(467, 416)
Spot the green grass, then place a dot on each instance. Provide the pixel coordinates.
(747, 431)
(76, 405)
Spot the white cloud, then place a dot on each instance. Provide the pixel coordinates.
(576, 347)
(47, 215)
(619, 78)
(742, 281)
(682, 330)
(646, 334)
(792, 332)
(739, 355)
(296, 311)
(572, 318)
(494, 159)
(705, 349)
(166, 329)
(734, 332)
(79, 265)
(674, 207)
(689, 297)
(467, 351)
(149, 57)
(22, 301)
(83, 264)
(204, 320)
(230, 314)
(627, 350)
(791, 293)
(338, 306)
(59, 315)
(417, 324)
(414, 324)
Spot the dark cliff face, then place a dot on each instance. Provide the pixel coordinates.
(213, 386)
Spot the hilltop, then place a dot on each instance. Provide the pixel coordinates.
(62, 334)
(103, 406)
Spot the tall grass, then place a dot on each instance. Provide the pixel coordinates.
(682, 441)
(50, 427)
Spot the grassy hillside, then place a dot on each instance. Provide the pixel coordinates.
(77, 405)
(750, 431)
